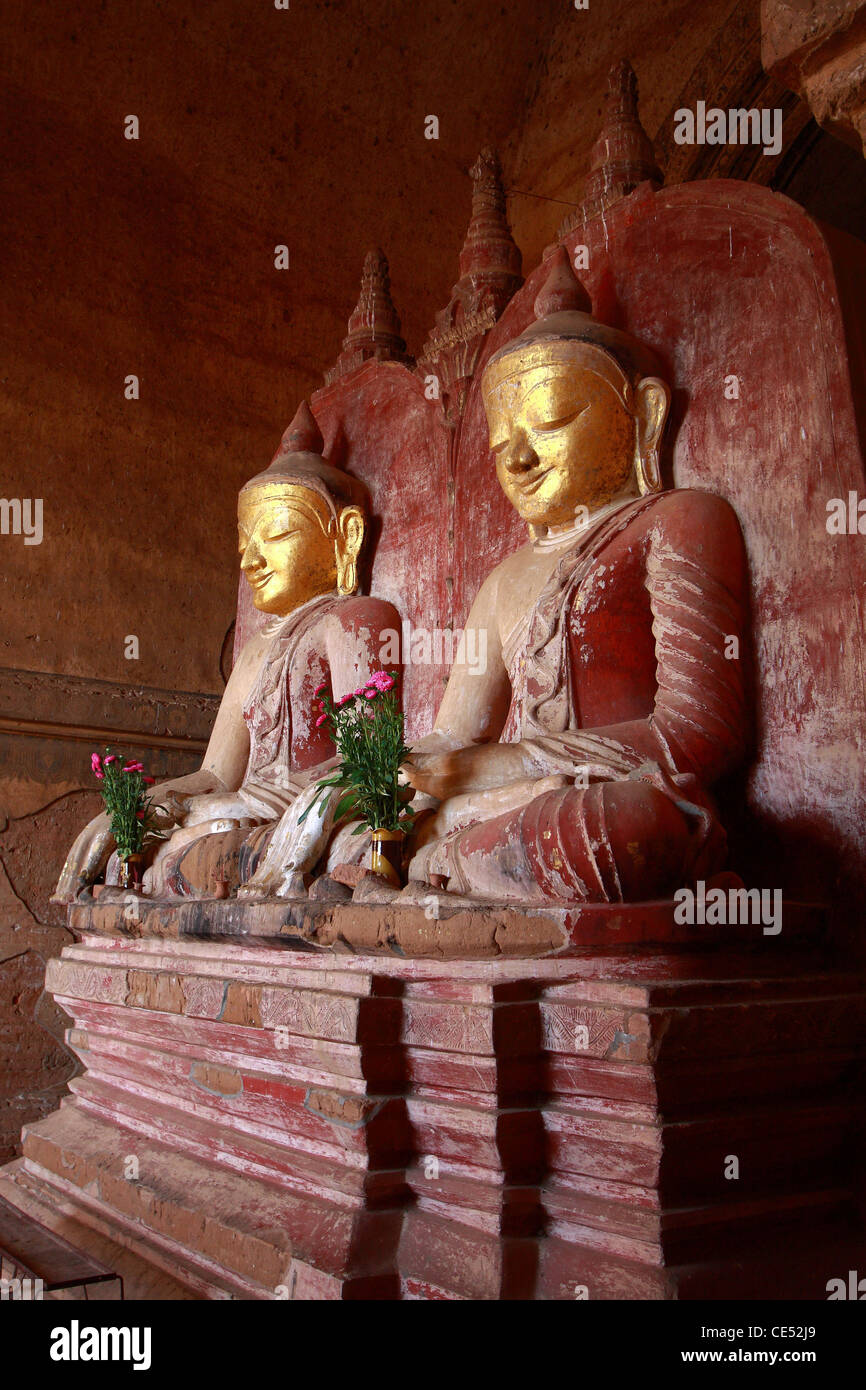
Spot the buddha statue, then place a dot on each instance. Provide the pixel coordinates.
(239, 820)
(578, 767)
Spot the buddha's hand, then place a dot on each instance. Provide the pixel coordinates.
(463, 770)
(214, 806)
(86, 860)
(169, 808)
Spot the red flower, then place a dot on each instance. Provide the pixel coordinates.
(319, 688)
(322, 719)
(149, 780)
(139, 815)
(382, 680)
(133, 767)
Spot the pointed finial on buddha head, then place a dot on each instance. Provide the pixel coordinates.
(303, 435)
(561, 290)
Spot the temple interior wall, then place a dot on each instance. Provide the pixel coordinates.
(155, 258)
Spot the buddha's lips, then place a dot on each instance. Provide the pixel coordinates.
(527, 489)
(259, 581)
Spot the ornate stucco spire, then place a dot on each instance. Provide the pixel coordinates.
(622, 156)
(489, 267)
(489, 245)
(374, 326)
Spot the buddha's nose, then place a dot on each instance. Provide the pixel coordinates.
(518, 456)
(251, 558)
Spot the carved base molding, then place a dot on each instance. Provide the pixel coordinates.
(262, 1119)
(40, 704)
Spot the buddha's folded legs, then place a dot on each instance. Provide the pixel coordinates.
(619, 841)
(231, 857)
(234, 856)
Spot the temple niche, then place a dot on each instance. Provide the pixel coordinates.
(588, 523)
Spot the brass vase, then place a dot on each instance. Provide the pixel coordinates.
(132, 872)
(387, 855)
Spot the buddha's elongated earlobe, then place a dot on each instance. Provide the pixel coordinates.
(651, 404)
(351, 529)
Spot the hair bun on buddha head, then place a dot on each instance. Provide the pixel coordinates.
(564, 327)
(303, 435)
(561, 291)
(300, 461)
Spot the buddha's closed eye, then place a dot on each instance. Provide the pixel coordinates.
(545, 426)
(277, 535)
(281, 535)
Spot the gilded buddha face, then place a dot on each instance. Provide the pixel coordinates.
(292, 548)
(567, 436)
(562, 440)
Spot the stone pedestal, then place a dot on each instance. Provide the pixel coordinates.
(533, 1115)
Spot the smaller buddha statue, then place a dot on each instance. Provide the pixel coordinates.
(240, 819)
(578, 766)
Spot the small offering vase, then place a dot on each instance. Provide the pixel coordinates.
(132, 872)
(387, 855)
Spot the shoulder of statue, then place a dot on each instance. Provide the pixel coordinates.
(700, 529)
(253, 650)
(692, 513)
(355, 612)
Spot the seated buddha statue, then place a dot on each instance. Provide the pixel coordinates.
(578, 766)
(239, 820)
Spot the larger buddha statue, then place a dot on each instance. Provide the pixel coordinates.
(301, 530)
(578, 767)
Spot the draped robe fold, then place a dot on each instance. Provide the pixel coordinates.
(635, 622)
(279, 716)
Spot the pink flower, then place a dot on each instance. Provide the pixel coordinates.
(110, 758)
(319, 688)
(371, 694)
(98, 773)
(133, 767)
(381, 681)
(346, 698)
(322, 719)
(96, 764)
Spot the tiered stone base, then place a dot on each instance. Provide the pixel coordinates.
(262, 1117)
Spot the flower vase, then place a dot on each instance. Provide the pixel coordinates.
(387, 855)
(132, 872)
